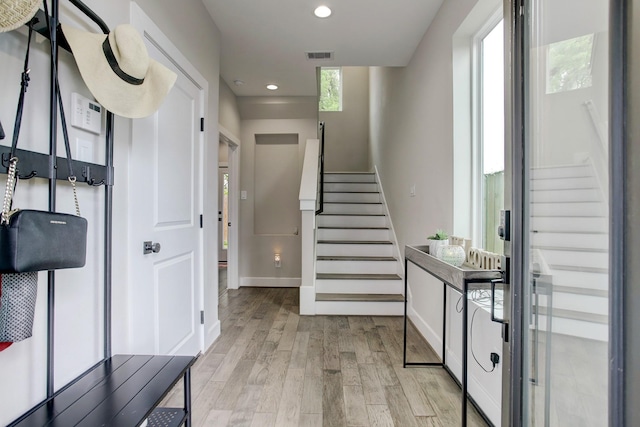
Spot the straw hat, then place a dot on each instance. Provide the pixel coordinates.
(118, 71)
(14, 13)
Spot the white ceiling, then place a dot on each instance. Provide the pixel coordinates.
(264, 41)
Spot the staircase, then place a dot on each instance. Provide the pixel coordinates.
(357, 271)
(569, 238)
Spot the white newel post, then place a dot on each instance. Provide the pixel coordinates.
(308, 195)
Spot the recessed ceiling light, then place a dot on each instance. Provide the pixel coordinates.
(322, 11)
(272, 87)
(238, 82)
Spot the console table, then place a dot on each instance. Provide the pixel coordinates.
(460, 279)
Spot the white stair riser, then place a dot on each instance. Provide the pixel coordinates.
(581, 303)
(562, 224)
(576, 328)
(349, 177)
(351, 186)
(352, 197)
(577, 209)
(580, 279)
(351, 221)
(564, 183)
(353, 234)
(361, 208)
(562, 172)
(345, 286)
(576, 259)
(553, 196)
(356, 267)
(570, 240)
(335, 249)
(359, 308)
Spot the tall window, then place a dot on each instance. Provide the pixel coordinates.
(331, 89)
(489, 134)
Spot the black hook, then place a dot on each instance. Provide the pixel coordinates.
(93, 183)
(33, 174)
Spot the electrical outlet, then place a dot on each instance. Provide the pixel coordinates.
(495, 359)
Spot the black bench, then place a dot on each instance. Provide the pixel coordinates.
(121, 391)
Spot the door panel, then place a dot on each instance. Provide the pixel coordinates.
(223, 213)
(564, 211)
(165, 202)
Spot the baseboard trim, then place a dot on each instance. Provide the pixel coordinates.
(271, 282)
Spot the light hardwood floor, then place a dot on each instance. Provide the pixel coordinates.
(273, 367)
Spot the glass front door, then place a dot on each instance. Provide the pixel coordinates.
(565, 214)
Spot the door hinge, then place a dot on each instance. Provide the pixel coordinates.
(201, 221)
(201, 124)
(202, 317)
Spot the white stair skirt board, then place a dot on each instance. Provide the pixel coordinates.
(349, 177)
(367, 234)
(353, 207)
(354, 248)
(330, 220)
(337, 197)
(343, 284)
(271, 282)
(351, 187)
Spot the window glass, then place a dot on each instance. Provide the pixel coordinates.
(569, 64)
(330, 89)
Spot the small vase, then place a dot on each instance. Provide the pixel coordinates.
(452, 254)
(436, 245)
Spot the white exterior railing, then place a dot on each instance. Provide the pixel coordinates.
(308, 196)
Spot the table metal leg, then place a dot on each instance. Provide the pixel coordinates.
(444, 324)
(464, 352)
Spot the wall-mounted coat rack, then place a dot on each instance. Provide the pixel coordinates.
(51, 167)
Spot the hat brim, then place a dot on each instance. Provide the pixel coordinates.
(116, 95)
(14, 14)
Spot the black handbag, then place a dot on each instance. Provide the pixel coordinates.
(32, 240)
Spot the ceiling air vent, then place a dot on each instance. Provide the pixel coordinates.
(319, 55)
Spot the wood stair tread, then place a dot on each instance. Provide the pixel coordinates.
(345, 276)
(355, 258)
(361, 297)
(354, 242)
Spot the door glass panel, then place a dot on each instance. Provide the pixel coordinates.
(566, 214)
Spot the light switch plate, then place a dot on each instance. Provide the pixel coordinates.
(412, 191)
(243, 195)
(84, 150)
(87, 114)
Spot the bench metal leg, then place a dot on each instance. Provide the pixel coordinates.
(187, 397)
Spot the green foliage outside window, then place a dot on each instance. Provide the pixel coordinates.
(569, 64)
(330, 89)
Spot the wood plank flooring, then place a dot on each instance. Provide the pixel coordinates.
(273, 367)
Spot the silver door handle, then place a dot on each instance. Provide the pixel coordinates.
(149, 247)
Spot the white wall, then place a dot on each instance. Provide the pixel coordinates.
(78, 316)
(256, 264)
(229, 116)
(412, 134)
(347, 131)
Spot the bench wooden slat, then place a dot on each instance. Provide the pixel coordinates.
(120, 392)
(45, 412)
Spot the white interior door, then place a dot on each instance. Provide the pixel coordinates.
(165, 208)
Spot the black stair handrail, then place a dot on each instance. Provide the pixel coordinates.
(320, 199)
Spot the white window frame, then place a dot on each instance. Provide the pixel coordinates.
(477, 190)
